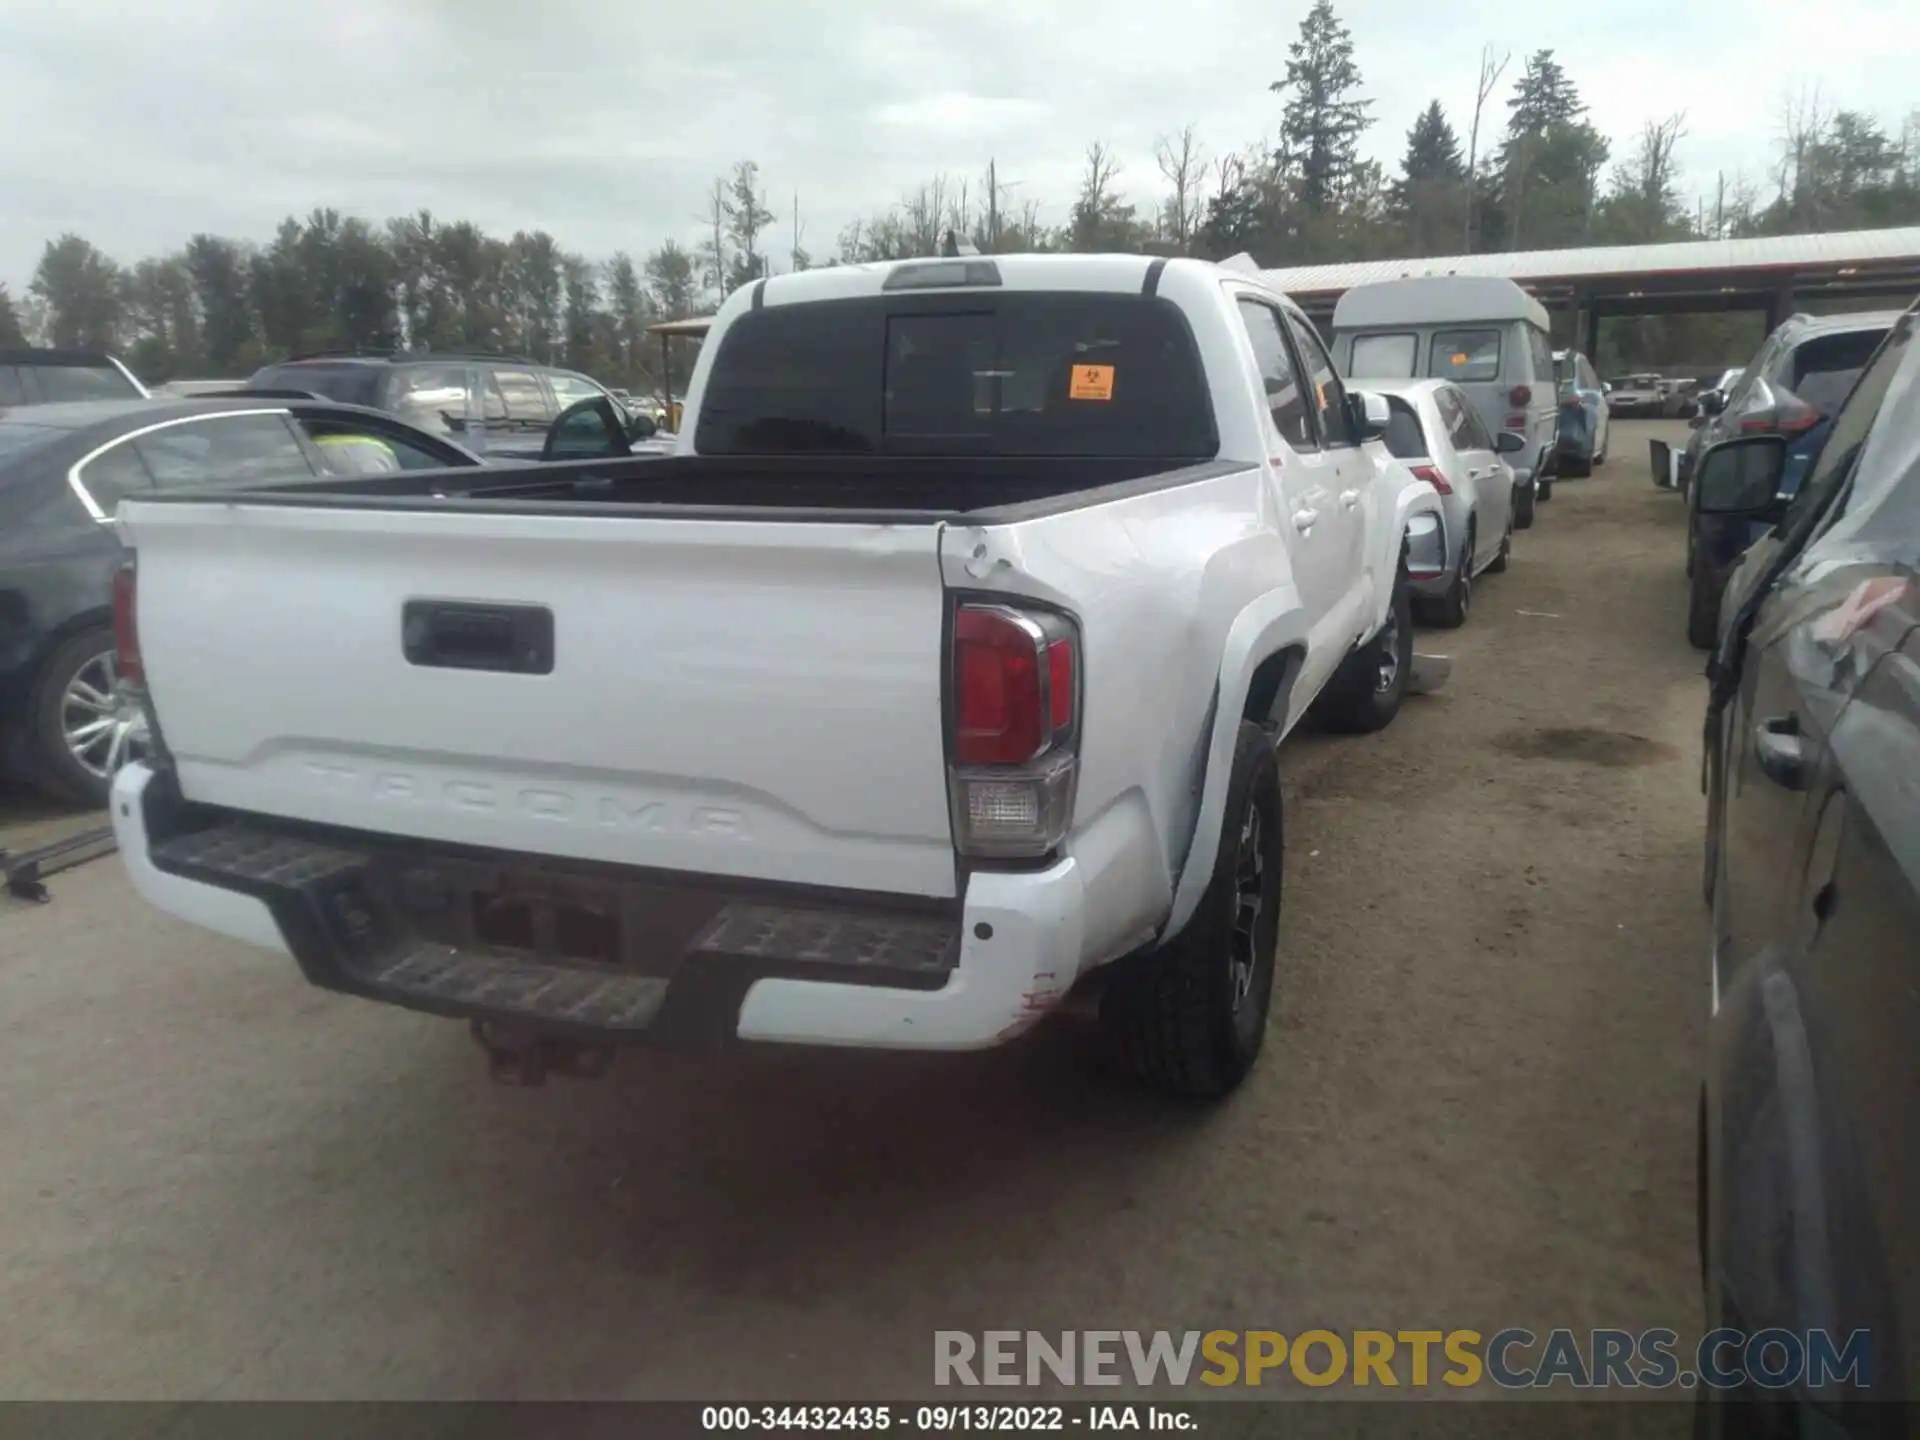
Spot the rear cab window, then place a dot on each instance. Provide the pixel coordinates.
(1464, 355)
(1385, 357)
(1014, 373)
(224, 451)
(58, 384)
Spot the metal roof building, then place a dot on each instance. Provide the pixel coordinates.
(1772, 273)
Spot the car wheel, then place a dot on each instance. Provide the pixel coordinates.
(1703, 609)
(84, 727)
(1450, 610)
(1523, 508)
(1691, 552)
(1577, 467)
(1498, 565)
(1365, 693)
(1546, 491)
(1600, 455)
(1189, 1018)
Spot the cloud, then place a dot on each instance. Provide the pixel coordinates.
(605, 122)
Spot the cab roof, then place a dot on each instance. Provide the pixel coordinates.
(1436, 300)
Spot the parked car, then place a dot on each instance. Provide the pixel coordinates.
(1711, 397)
(1581, 441)
(65, 721)
(1807, 1163)
(1639, 397)
(190, 389)
(890, 746)
(1488, 336)
(53, 377)
(1433, 426)
(1801, 370)
(1798, 377)
(517, 399)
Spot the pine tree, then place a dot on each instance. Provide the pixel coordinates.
(12, 333)
(1321, 126)
(1429, 199)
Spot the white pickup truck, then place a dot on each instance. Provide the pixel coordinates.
(941, 667)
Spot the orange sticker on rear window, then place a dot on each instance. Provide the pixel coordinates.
(1091, 382)
(1459, 359)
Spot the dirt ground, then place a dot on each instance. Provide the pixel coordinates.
(1475, 1108)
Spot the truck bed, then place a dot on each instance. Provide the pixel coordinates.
(885, 489)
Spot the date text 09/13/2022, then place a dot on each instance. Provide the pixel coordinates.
(944, 1419)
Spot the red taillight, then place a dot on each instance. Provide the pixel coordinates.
(1520, 395)
(126, 628)
(1516, 422)
(1790, 417)
(1431, 474)
(1015, 718)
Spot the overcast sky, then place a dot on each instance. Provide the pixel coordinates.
(137, 124)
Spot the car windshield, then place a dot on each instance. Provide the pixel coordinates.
(60, 383)
(1012, 373)
(1465, 355)
(1384, 357)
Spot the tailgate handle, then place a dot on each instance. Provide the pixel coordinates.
(451, 635)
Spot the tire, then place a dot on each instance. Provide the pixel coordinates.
(1546, 491)
(1600, 455)
(1523, 508)
(1449, 612)
(87, 656)
(1498, 565)
(1691, 561)
(1189, 1018)
(1703, 609)
(1577, 467)
(1356, 700)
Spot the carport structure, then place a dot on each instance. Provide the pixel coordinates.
(1773, 274)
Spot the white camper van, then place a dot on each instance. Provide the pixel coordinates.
(1486, 335)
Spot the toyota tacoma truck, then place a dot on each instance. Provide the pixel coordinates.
(941, 668)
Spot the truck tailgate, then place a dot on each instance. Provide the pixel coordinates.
(750, 698)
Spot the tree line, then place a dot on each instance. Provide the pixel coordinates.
(1540, 177)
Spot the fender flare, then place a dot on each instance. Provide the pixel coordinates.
(1271, 624)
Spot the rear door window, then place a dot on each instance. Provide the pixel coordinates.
(1385, 357)
(434, 397)
(1542, 351)
(224, 450)
(1003, 373)
(525, 396)
(569, 389)
(1454, 414)
(1464, 355)
(1473, 432)
(112, 476)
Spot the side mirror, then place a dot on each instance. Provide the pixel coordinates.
(586, 430)
(1698, 419)
(1509, 442)
(1369, 413)
(1606, 387)
(1712, 403)
(1741, 477)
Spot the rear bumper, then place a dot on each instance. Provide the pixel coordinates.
(425, 928)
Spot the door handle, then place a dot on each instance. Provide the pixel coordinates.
(1780, 751)
(1349, 498)
(1305, 519)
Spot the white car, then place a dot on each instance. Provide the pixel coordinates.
(1435, 429)
(943, 666)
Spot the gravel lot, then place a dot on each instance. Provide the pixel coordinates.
(1475, 1107)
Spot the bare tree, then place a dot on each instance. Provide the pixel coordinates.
(1803, 126)
(713, 255)
(1183, 161)
(1490, 72)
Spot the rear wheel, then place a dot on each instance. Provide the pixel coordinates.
(1450, 610)
(1523, 507)
(1498, 565)
(1365, 693)
(84, 727)
(1546, 491)
(1190, 1017)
